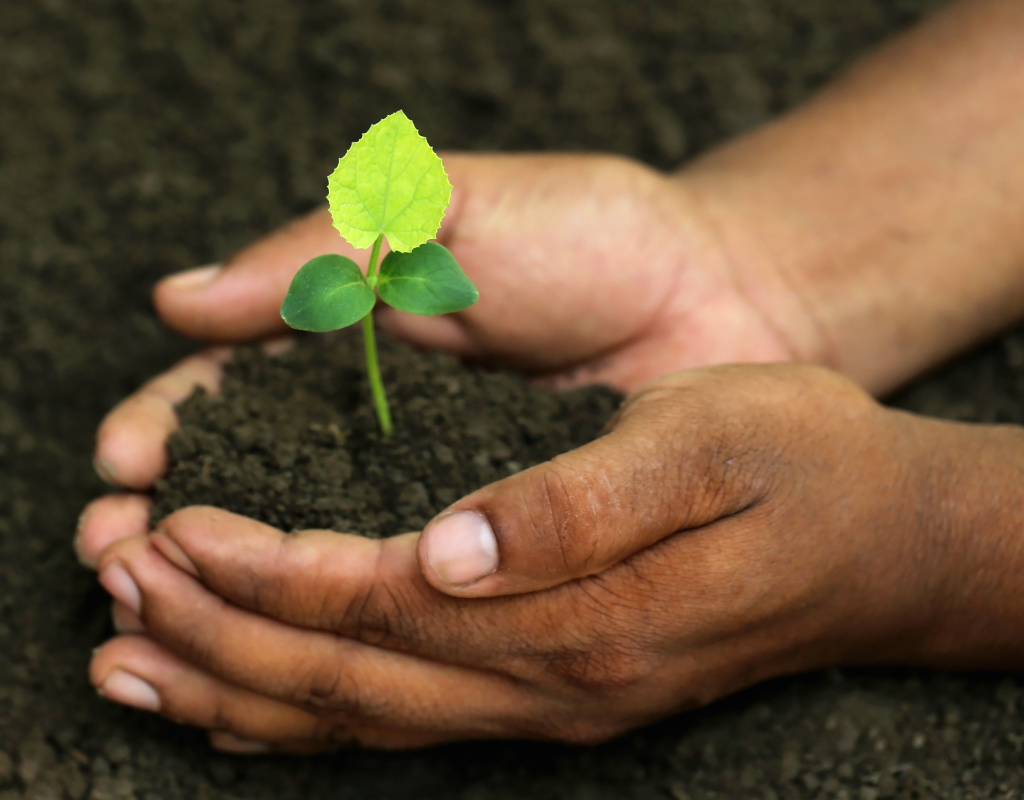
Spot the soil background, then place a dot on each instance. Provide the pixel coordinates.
(139, 137)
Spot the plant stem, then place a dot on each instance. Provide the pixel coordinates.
(380, 400)
(371, 268)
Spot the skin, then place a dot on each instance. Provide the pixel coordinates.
(679, 305)
(775, 520)
(738, 523)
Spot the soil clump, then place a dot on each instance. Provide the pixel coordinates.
(293, 440)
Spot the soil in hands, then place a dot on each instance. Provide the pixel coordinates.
(293, 440)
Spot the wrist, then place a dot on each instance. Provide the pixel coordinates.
(975, 526)
(748, 241)
(926, 550)
(879, 225)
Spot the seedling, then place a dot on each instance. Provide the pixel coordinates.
(389, 185)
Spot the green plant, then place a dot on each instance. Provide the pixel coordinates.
(389, 185)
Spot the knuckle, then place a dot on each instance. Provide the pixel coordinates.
(376, 610)
(604, 671)
(342, 700)
(605, 660)
(370, 609)
(326, 687)
(567, 511)
(200, 646)
(375, 617)
(223, 718)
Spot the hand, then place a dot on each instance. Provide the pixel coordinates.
(590, 269)
(895, 245)
(775, 524)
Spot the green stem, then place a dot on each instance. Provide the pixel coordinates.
(371, 269)
(380, 400)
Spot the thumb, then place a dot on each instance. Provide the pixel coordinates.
(241, 299)
(666, 466)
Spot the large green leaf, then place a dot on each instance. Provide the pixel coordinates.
(389, 182)
(427, 280)
(328, 293)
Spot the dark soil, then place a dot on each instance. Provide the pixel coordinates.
(142, 136)
(293, 441)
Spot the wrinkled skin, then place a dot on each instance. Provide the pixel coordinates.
(524, 228)
(739, 569)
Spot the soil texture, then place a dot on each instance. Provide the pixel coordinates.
(294, 441)
(144, 136)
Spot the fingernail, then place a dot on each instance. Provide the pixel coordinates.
(195, 278)
(461, 548)
(104, 469)
(83, 558)
(122, 587)
(230, 743)
(127, 689)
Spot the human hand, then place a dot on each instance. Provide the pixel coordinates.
(737, 523)
(590, 269)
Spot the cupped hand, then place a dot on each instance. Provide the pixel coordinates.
(737, 523)
(590, 268)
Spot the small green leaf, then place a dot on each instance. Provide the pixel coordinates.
(328, 293)
(426, 281)
(389, 182)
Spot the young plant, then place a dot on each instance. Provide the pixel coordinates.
(389, 185)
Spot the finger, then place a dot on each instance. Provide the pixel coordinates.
(241, 299)
(366, 589)
(309, 669)
(138, 672)
(107, 520)
(365, 737)
(130, 443)
(666, 466)
(125, 620)
(229, 743)
(446, 332)
(508, 651)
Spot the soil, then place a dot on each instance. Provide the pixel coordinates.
(293, 440)
(143, 137)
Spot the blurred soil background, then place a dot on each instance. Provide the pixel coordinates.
(138, 137)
